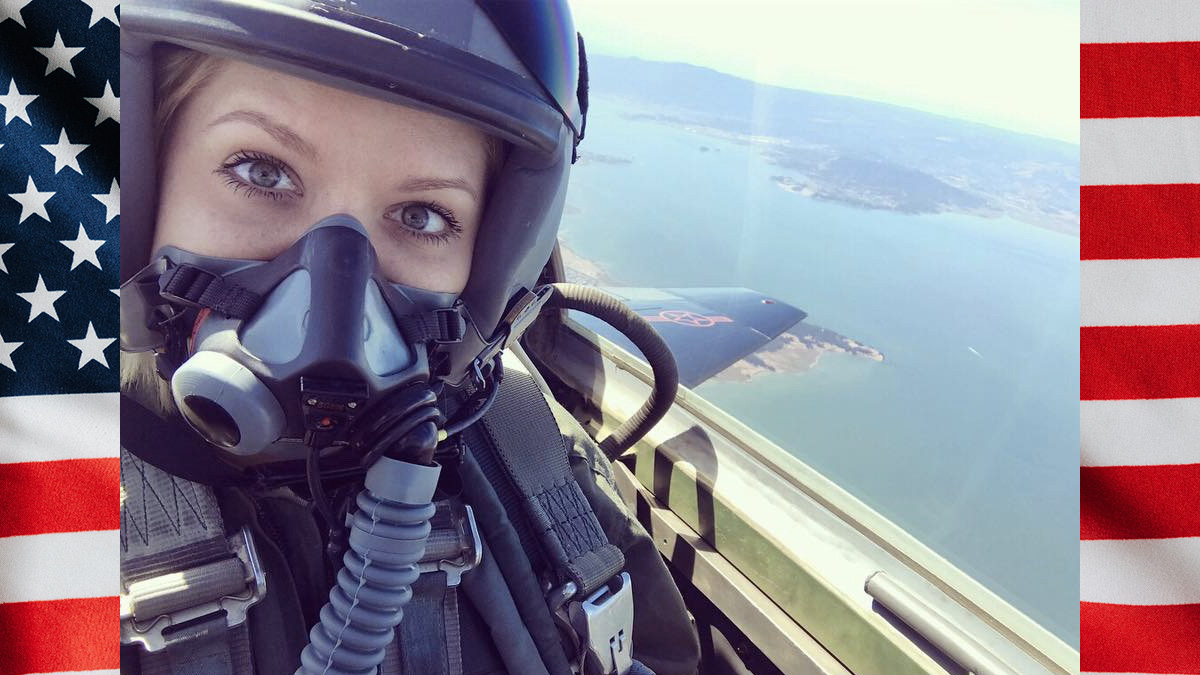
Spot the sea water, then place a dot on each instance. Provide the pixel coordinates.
(967, 434)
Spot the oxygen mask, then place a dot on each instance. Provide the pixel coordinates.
(315, 347)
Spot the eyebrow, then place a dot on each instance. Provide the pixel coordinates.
(280, 132)
(292, 140)
(422, 184)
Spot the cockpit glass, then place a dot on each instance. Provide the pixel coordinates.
(907, 179)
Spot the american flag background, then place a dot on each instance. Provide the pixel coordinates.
(1140, 337)
(59, 220)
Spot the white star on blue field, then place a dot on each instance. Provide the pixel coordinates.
(59, 196)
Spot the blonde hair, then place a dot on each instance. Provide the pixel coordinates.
(179, 73)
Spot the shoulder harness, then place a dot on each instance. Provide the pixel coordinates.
(554, 597)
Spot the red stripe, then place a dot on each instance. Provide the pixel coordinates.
(1139, 79)
(1133, 362)
(1139, 638)
(71, 495)
(1139, 221)
(60, 635)
(1139, 502)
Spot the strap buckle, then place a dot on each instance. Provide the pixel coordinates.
(469, 547)
(188, 280)
(452, 320)
(604, 623)
(154, 610)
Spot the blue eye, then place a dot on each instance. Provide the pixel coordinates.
(425, 220)
(260, 174)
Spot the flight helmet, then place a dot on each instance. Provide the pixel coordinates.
(513, 69)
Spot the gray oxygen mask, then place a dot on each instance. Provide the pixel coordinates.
(295, 346)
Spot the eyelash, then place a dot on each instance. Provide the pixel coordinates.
(453, 228)
(234, 181)
(226, 170)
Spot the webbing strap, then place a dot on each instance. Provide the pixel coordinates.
(226, 651)
(167, 523)
(428, 639)
(454, 660)
(439, 325)
(170, 527)
(190, 587)
(530, 446)
(193, 286)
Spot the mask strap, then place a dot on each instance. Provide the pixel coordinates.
(440, 326)
(192, 286)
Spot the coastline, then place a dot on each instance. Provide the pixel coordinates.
(822, 171)
(796, 350)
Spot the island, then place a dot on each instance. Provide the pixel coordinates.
(856, 152)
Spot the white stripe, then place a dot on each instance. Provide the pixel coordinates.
(1139, 21)
(60, 566)
(1139, 292)
(1139, 432)
(81, 673)
(64, 426)
(1138, 150)
(1140, 571)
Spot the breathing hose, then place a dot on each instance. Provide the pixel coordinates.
(615, 313)
(387, 539)
(390, 527)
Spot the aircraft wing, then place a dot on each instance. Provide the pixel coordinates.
(707, 329)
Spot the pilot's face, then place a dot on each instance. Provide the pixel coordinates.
(256, 157)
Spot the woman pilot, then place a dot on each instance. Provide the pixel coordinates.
(349, 205)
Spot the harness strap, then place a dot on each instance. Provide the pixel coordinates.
(429, 637)
(175, 558)
(530, 446)
(227, 651)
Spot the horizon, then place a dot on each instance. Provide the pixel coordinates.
(1008, 64)
(857, 98)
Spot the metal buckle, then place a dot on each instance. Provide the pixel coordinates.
(455, 313)
(149, 633)
(604, 622)
(469, 556)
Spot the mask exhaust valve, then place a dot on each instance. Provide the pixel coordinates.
(215, 424)
(226, 404)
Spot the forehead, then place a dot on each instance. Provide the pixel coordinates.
(327, 116)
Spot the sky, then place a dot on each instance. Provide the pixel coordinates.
(1008, 63)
